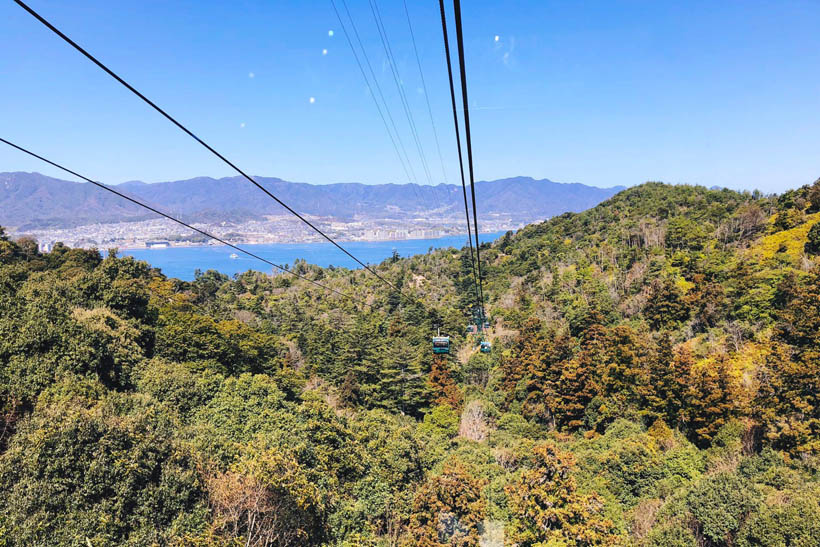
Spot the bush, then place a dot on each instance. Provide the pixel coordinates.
(110, 471)
(671, 535)
(441, 421)
(812, 246)
(795, 522)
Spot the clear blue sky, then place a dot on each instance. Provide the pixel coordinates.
(603, 93)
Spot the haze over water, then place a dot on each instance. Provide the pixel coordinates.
(182, 262)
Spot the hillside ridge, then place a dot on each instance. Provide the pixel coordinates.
(35, 200)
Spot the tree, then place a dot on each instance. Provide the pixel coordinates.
(547, 508)
(534, 370)
(713, 398)
(108, 470)
(265, 499)
(447, 509)
(787, 403)
(402, 387)
(442, 386)
(665, 307)
(579, 383)
(794, 521)
(720, 504)
(685, 233)
(814, 197)
(788, 399)
(665, 384)
(812, 246)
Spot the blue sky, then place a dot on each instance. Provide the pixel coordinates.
(602, 93)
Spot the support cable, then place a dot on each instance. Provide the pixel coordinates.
(460, 40)
(412, 174)
(394, 70)
(424, 89)
(458, 145)
(153, 105)
(169, 217)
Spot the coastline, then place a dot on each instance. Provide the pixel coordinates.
(183, 245)
(183, 262)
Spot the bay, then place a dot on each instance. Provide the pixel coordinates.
(182, 262)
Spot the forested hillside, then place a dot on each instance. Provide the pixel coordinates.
(654, 381)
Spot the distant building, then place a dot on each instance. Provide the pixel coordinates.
(157, 244)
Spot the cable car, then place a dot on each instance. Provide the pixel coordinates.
(441, 344)
(486, 347)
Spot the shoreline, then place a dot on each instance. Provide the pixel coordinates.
(217, 245)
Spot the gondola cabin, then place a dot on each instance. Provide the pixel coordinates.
(441, 344)
(486, 347)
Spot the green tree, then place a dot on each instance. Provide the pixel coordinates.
(665, 307)
(812, 246)
(793, 521)
(109, 470)
(720, 503)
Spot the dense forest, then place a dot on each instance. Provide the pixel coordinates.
(654, 381)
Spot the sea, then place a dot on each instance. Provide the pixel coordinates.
(183, 262)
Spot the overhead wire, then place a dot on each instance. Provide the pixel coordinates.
(178, 221)
(413, 181)
(394, 70)
(170, 118)
(384, 119)
(458, 146)
(466, 106)
(424, 90)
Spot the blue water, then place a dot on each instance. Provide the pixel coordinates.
(182, 262)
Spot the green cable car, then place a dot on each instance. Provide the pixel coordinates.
(441, 344)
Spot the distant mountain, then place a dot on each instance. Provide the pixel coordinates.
(32, 200)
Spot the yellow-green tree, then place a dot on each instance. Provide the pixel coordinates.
(447, 509)
(547, 509)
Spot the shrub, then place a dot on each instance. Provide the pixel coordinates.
(719, 503)
(795, 522)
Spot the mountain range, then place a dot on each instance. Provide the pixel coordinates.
(33, 200)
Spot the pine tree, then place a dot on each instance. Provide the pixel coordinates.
(712, 400)
(788, 400)
(401, 387)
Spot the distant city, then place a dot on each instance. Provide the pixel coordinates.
(279, 229)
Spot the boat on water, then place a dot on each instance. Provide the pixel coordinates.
(234, 256)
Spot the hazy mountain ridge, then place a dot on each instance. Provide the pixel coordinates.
(34, 200)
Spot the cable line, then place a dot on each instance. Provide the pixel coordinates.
(111, 73)
(458, 145)
(402, 160)
(394, 70)
(169, 217)
(460, 40)
(424, 88)
(413, 180)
